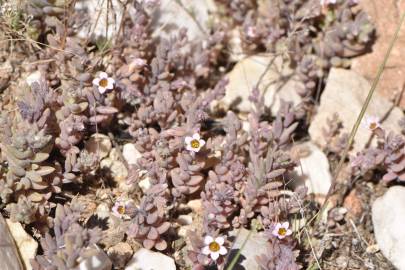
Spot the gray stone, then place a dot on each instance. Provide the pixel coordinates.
(277, 82)
(170, 15)
(130, 153)
(145, 259)
(104, 18)
(388, 214)
(99, 144)
(9, 257)
(96, 261)
(313, 170)
(255, 245)
(26, 245)
(344, 94)
(33, 77)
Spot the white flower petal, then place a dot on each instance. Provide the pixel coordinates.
(202, 143)
(289, 232)
(223, 250)
(103, 75)
(214, 255)
(102, 89)
(206, 250)
(188, 139)
(110, 86)
(281, 236)
(208, 240)
(275, 230)
(96, 81)
(220, 240)
(189, 148)
(285, 225)
(196, 136)
(111, 82)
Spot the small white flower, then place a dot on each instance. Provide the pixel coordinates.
(371, 123)
(103, 82)
(327, 2)
(251, 32)
(123, 208)
(214, 247)
(194, 143)
(281, 230)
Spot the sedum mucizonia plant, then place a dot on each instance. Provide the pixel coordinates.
(30, 178)
(312, 36)
(71, 243)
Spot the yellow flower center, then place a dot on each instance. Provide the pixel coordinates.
(103, 82)
(121, 209)
(214, 246)
(195, 143)
(373, 125)
(282, 231)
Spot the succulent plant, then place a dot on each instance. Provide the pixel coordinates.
(280, 255)
(71, 244)
(149, 222)
(222, 190)
(388, 156)
(28, 175)
(160, 94)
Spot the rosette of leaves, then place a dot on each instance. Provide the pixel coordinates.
(72, 123)
(280, 255)
(220, 197)
(197, 258)
(388, 156)
(265, 193)
(149, 223)
(187, 178)
(344, 34)
(71, 243)
(29, 174)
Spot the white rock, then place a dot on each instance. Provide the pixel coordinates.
(26, 245)
(130, 153)
(235, 46)
(104, 18)
(170, 16)
(255, 245)
(99, 144)
(184, 220)
(195, 205)
(103, 211)
(117, 169)
(9, 258)
(120, 254)
(33, 77)
(388, 213)
(145, 184)
(344, 94)
(97, 261)
(277, 83)
(145, 259)
(313, 170)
